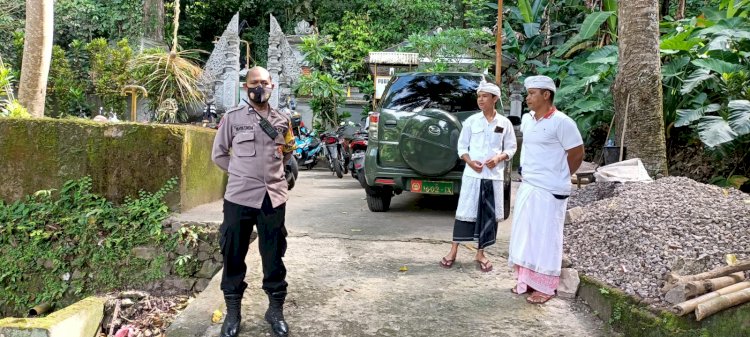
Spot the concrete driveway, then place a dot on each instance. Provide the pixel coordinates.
(357, 273)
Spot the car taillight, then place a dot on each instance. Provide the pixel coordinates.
(331, 140)
(373, 127)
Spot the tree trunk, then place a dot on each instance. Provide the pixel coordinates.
(37, 55)
(680, 14)
(153, 20)
(664, 7)
(639, 76)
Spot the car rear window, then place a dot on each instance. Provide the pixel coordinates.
(452, 93)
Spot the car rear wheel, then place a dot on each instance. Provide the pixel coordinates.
(380, 202)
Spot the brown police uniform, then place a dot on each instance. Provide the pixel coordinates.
(256, 194)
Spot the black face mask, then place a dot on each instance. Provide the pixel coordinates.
(259, 94)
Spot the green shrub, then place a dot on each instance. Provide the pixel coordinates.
(58, 246)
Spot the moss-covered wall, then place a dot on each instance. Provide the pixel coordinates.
(121, 158)
(202, 181)
(626, 315)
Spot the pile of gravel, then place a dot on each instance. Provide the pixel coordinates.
(632, 239)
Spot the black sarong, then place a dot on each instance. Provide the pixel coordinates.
(484, 229)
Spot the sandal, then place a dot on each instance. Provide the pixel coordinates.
(514, 291)
(485, 266)
(447, 264)
(539, 298)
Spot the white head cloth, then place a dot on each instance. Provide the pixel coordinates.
(539, 82)
(488, 88)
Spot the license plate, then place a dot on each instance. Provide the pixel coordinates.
(431, 187)
(358, 155)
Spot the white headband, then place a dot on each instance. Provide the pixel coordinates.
(540, 82)
(489, 88)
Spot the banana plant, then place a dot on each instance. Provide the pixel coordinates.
(589, 28)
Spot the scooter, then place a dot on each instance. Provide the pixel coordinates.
(308, 149)
(291, 172)
(358, 147)
(334, 153)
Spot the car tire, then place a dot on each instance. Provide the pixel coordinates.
(361, 179)
(379, 202)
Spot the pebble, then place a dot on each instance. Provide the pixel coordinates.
(643, 228)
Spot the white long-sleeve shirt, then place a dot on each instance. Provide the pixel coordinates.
(483, 140)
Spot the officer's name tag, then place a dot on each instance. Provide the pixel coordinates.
(499, 129)
(246, 127)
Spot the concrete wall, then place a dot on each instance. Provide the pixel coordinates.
(123, 158)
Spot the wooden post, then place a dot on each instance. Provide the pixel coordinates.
(499, 45)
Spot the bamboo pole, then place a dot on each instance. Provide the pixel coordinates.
(695, 288)
(690, 305)
(499, 45)
(720, 303)
(673, 279)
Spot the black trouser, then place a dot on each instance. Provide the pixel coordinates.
(235, 241)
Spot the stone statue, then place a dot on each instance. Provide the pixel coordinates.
(283, 66)
(304, 28)
(220, 78)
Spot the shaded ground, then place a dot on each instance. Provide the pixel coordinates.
(344, 267)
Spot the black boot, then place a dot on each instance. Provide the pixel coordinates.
(231, 326)
(275, 314)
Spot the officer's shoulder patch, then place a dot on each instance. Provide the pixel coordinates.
(236, 108)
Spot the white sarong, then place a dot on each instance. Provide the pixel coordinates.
(468, 200)
(536, 239)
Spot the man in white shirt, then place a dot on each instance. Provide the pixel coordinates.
(486, 143)
(552, 151)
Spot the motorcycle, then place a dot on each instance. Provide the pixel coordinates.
(358, 147)
(291, 172)
(308, 149)
(334, 152)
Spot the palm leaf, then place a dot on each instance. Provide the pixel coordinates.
(589, 28)
(739, 116)
(688, 116)
(714, 130)
(716, 65)
(695, 79)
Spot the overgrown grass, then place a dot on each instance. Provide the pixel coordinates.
(57, 246)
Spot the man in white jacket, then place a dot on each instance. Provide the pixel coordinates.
(487, 143)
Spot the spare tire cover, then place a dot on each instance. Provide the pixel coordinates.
(429, 141)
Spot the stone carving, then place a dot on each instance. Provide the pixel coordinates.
(283, 66)
(220, 79)
(304, 28)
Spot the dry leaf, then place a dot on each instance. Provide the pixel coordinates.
(403, 269)
(216, 317)
(726, 192)
(731, 259)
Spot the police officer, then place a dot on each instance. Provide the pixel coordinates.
(260, 141)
